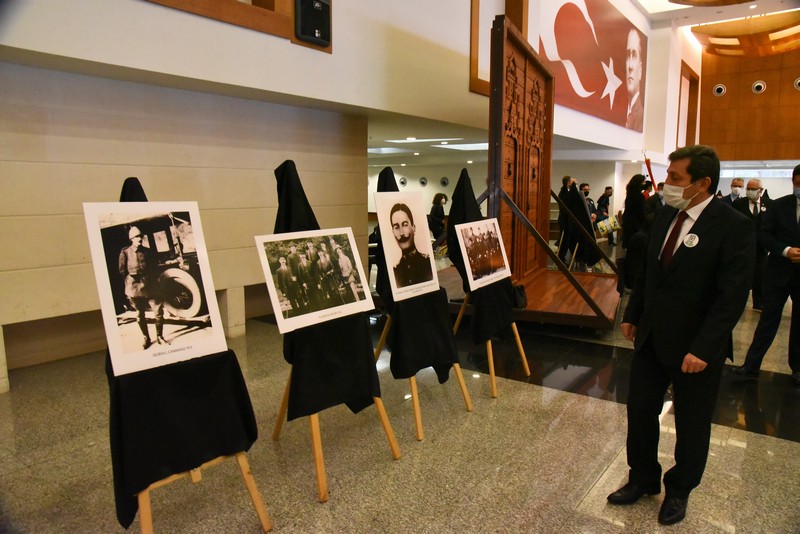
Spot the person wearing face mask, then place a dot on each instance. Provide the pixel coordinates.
(687, 297)
(736, 190)
(780, 235)
(754, 206)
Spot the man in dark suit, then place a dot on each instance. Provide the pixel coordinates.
(736, 189)
(780, 235)
(688, 295)
(755, 206)
(652, 204)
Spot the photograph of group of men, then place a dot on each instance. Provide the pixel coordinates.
(482, 246)
(312, 272)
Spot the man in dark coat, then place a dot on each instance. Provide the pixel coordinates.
(688, 295)
(780, 235)
(754, 206)
(414, 267)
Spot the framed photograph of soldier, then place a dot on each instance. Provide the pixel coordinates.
(482, 247)
(407, 244)
(313, 276)
(154, 282)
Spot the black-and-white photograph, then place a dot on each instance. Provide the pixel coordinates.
(482, 247)
(154, 283)
(407, 244)
(313, 276)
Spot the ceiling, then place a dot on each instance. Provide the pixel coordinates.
(424, 152)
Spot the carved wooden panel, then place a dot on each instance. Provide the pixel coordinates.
(520, 147)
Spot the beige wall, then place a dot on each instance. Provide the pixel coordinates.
(66, 139)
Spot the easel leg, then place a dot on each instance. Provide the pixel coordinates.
(255, 496)
(387, 428)
(382, 340)
(490, 357)
(276, 433)
(463, 386)
(461, 313)
(319, 462)
(521, 350)
(417, 412)
(145, 512)
(572, 259)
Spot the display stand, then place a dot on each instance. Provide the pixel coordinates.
(332, 362)
(176, 419)
(146, 512)
(492, 303)
(421, 335)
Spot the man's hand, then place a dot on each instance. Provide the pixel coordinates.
(628, 330)
(692, 364)
(793, 254)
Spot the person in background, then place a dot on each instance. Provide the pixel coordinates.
(633, 216)
(736, 190)
(585, 190)
(436, 216)
(780, 235)
(604, 210)
(754, 206)
(568, 238)
(687, 298)
(654, 202)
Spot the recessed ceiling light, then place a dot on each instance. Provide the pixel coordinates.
(465, 146)
(754, 6)
(469, 162)
(634, 161)
(416, 153)
(444, 142)
(402, 164)
(415, 140)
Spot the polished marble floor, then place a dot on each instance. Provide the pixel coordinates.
(539, 458)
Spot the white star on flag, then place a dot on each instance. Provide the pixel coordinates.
(612, 84)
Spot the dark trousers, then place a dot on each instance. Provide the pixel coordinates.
(694, 398)
(775, 295)
(758, 280)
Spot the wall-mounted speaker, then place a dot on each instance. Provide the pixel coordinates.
(312, 21)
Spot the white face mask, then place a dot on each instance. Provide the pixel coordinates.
(752, 194)
(736, 191)
(673, 196)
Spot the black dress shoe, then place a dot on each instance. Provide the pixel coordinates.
(672, 511)
(630, 493)
(744, 372)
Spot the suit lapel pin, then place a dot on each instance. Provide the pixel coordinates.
(691, 240)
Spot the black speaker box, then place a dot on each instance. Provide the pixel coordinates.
(312, 21)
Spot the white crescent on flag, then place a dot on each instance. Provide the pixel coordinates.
(549, 11)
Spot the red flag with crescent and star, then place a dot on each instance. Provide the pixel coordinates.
(597, 57)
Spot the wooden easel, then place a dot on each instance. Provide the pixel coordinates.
(146, 512)
(413, 383)
(316, 438)
(489, 353)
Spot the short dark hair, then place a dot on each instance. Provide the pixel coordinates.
(703, 161)
(796, 171)
(635, 183)
(565, 180)
(401, 207)
(581, 186)
(437, 198)
(608, 187)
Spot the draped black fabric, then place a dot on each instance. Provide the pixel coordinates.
(422, 336)
(294, 211)
(386, 184)
(332, 362)
(464, 209)
(492, 305)
(173, 418)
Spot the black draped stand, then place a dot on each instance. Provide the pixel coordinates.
(418, 329)
(331, 362)
(172, 421)
(492, 304)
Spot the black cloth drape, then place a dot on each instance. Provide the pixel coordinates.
(492, 303)
(386, 184)
(332, 362)
(464, 209)
(173, 418)
(422, 336)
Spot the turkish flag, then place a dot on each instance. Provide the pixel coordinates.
(598, 59)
